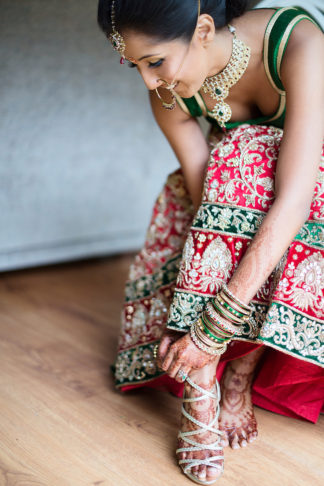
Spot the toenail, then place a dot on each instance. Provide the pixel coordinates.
(235, 446)
(243, 443)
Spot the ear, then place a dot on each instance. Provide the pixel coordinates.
(205, 30)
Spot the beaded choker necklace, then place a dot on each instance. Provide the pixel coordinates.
(218, 86)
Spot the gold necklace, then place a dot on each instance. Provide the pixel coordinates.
(218, 86)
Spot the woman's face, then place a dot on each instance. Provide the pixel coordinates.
(176, 60)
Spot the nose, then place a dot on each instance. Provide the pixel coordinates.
(151, 81)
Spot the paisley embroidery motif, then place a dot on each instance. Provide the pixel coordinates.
(207, 271)
(287, 329)
(306, 286)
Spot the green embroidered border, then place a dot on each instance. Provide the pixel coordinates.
(295, 333)
(244, 223)
(279, 325)
(217, 217)
(147, 285)
(312, 234)
(188, 306)
(136, 365)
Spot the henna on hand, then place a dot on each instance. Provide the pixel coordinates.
(184, 354)
(168, 338)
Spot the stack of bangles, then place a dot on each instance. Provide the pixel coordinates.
(223, 317)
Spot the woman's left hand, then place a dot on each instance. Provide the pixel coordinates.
(184, 355)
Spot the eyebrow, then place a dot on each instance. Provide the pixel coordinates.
(149, 55)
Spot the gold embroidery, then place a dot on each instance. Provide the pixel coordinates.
(305, 287)
(207, 272)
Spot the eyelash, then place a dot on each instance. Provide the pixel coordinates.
(151, 64)
(156, 64)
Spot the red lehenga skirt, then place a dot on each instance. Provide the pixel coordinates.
(187, 257)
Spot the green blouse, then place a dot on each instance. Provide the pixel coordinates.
(277, 33)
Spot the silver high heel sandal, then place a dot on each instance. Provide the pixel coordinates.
(187, 464)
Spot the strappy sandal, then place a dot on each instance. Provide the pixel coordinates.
(187, 464)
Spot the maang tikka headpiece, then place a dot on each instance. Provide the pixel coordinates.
(115, 37)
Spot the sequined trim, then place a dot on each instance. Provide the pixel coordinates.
(136, 365)
(287, 329)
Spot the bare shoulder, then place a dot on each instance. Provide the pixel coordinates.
(305, 50)
(306, 36)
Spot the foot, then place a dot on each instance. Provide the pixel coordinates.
(237, 419)
(206, 412)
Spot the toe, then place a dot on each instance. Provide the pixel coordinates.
(242, 439)
(234, 443)
(250, 438)
(195, 470)
(213, 473)
(202, 473)
(224, 438)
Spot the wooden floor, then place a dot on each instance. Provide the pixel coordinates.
(62, 422)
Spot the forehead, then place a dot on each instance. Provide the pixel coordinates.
(139, 45)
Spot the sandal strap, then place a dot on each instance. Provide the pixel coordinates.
(203, 391)
(200, 462)
(203, 427)
(193, 445)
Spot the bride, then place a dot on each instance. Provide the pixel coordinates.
(229, 284)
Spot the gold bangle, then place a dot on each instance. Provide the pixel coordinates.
(229, 293)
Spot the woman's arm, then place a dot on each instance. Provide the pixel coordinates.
(302, 74)
(188, 142)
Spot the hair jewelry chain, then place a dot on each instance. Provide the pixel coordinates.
(115, 37)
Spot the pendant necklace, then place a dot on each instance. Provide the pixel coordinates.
(218, 86)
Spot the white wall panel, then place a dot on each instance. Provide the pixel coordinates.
(81, 159)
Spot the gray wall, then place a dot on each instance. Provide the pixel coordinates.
(81, 159)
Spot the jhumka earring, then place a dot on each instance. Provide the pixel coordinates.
(115, 37)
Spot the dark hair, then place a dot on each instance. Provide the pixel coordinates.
(166, 19)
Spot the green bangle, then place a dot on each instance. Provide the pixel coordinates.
(213, 337)
(213, 325)
(235, 312)
(226, 314)
(226, 306)
(210, 333)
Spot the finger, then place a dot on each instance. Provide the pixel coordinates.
(166, 363)
(182, 374)
(165, 343)
(173, 370)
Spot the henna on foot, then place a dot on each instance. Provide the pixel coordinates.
(237, 419)
(203, 411)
